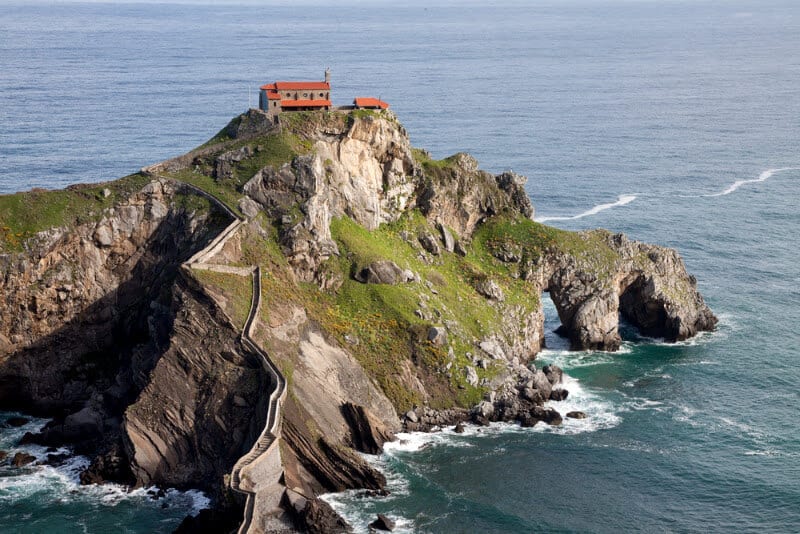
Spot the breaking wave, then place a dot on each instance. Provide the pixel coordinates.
(621, 201)
(763, 177)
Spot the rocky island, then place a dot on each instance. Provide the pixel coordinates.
(244, 318)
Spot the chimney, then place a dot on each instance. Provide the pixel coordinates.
(328, 75)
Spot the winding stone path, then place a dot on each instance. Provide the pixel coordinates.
(267, 440)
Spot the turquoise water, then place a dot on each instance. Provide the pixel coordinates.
(49, 498)
(670, 121)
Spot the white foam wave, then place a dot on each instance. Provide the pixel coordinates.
(359, 510)
(763, 177)
(567, 359)
(601, 414)
(621, 201)
(62, 482)
(768, 452)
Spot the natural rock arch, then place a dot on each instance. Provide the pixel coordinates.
(647, 285)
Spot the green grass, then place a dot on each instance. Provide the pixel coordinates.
(229, 197)
(237, 292)
(378, 324)
(385, 316)
(24, 214)
(273, 150)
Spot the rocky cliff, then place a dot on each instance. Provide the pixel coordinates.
(393, 284)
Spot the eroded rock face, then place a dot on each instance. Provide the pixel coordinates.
(365, 169)
(202, 405)
(79, 292)
(460, 196)
(648, 285)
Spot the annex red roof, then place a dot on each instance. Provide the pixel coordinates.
(305, 103)
(370, 102)
(271, 95)
(269, 87)
(292, 86)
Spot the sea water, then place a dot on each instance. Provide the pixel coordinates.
(676, 122)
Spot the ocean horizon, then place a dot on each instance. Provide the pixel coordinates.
(674, 122)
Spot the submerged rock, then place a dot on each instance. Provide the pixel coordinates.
(22, 458)
(576, 415)
(383, 523)
(17, 421)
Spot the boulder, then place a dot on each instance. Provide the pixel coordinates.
(480, 420)
(576, 415)
(541, 383)
(484, 409)
(533, 396)
(3, 456)
(411, 416)
(472, 376)
(249, 207)
(112, 466)
(553, 373)
(437, 335)
(548, 415)
(382, 272)
(528, 422)
(430, 243)
(493, 348)
(103, 236)
(22, 458)
(383, 523)
(558, 394)
(447, 238)
(459, 428)
(489, 289)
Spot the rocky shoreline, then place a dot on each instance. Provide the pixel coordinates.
(526, 407)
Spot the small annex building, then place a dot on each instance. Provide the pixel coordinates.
(368, 102)
(277, 97)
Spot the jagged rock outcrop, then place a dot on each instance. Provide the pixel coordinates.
(367, 433)
(460, 195)
(646, 284)
(365, 169)
(99, 325)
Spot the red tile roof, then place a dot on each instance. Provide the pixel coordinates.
(370, 102)
(269, 87)
(292, 86)
(271, 95)
(305, 103)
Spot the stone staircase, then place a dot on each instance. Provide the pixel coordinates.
(264, 457)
